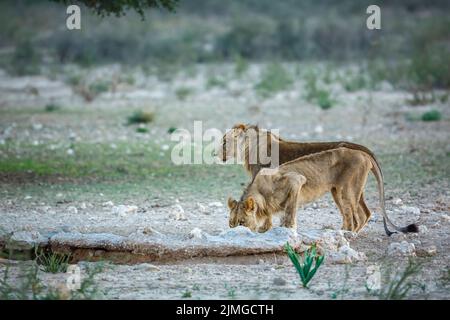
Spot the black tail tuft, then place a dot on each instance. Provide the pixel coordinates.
(411, 228)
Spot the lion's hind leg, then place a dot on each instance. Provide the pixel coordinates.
(347, 216)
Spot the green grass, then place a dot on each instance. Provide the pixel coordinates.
(307, 265)
(187, 294)
(183, 92)
(52, 262)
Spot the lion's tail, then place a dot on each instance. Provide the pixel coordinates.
(376, 170)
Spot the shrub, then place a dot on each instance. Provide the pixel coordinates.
(141, 130)
(141, 117)
(432, 115)
(51, 107)
(182, 93)
(274, 79)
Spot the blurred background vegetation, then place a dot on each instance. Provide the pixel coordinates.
(411, 50)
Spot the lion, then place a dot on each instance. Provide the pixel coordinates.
(238, 144)
(341, 171)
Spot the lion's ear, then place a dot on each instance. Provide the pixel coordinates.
(231, 203)
(249, 204)
(240, 126)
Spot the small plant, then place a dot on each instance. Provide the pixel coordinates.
(215, 82)
(187, 294)
(51, 107)
(99, 87)
(274, 79)
(400, 285)
(304, 266)
(141, 130)
(182, 93)
(324, 99)
(171, 130)
(141, 117)
(241, 65)
(52, 262)
(231, 292)
(433, 115)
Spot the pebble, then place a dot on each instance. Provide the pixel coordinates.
(403, 248)
(216, 204)
(72, 210)
(278, 281)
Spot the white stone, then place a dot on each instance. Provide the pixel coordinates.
(413, 210)
(202, 208)
(72, 210)
(345, 254)
(423, 229)
(108, 204)
(124, 210)
(397, 201)
(403, 248)
(318, 129)
(70, 152)
(177, 213)
(445, 218)
(216, 204)
(196, 233)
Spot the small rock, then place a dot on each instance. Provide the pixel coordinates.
(25, 240)
(150, 267)
(72, 210)
(318, 129)
(37, 126)
(216, 204)
(108, 204)
(177, 213)
(70, 152)
(426, 252)
(413, 210)
(28, 197)
(165, 147)
(345, 254)
(123, 210)
(445, 218)
(83, 206)
(397, 201)
(423, 229)
(196, 233)
(403, 248)
(278, 281)
(202, 208)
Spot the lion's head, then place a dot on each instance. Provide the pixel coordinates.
(244, 213)
(231, 144)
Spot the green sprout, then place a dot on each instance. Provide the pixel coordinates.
(304, 266)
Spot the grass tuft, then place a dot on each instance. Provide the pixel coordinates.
(52, 262)
(141, 117)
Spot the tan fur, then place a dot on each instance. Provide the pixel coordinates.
(342, 171)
